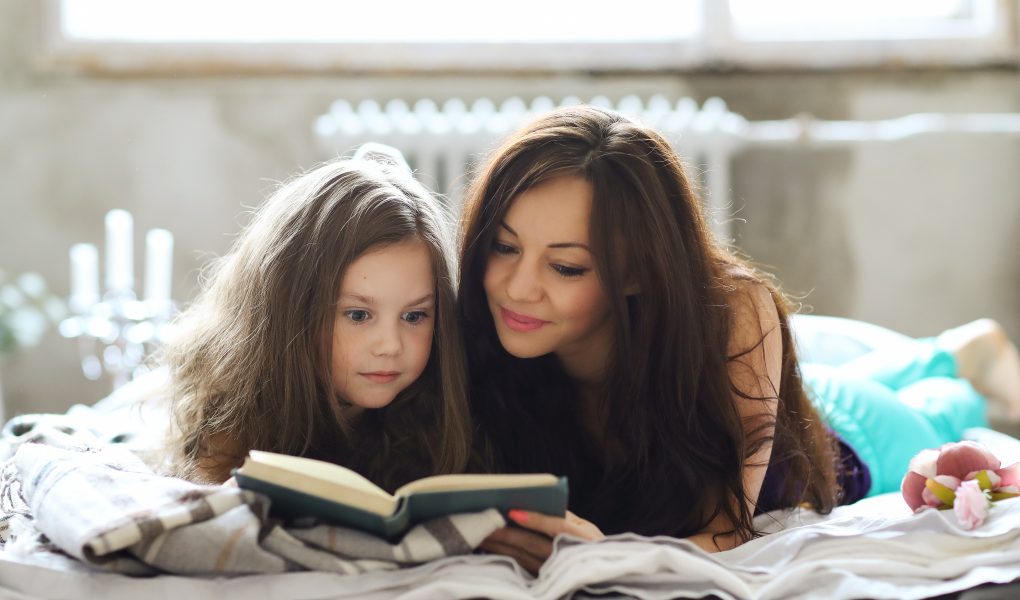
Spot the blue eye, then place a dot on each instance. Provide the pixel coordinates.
(415, 317)
(569, 272)
(357, 315)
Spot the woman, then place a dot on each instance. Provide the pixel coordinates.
(613, 341)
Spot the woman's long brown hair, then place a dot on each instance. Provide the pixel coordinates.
(251, 369)
(668, 398)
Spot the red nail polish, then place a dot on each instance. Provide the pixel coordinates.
(518, 516)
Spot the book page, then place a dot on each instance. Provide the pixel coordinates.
(319, 478)
(448, 483)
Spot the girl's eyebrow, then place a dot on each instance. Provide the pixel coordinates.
(422, 300)
(358, 297)
(556, 245)
(370, 300)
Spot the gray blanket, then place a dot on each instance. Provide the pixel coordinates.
(103, 506)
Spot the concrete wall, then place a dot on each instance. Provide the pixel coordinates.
(916, 235)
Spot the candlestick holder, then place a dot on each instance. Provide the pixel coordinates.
(118, 332)
(116, 335)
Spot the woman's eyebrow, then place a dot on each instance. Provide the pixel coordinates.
(554, 245)
(570, 245)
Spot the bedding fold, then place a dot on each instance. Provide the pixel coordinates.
(106, 508)
(98, 503)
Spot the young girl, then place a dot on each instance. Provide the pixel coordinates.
(328, 331)
(612, 341)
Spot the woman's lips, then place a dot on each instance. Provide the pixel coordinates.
(381, 376)
(519, 322)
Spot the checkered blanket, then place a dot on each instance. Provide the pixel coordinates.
(61, 490)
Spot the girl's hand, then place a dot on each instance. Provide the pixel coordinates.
(532, 545)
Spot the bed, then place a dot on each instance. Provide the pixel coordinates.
(874, 548)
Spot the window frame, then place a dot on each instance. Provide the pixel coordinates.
(715, 48)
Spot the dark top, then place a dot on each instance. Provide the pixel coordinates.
(852, 475)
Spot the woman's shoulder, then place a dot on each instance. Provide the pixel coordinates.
(754, 314)
(751, 301)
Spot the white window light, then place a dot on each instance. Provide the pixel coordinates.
(528, 35)
(832, 33)
(822, 20)
(394, 21)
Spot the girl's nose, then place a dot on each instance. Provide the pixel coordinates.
(387, 341)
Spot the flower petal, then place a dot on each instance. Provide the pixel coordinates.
(971, 506)
(1010, 475)
(960, 458)
(924, 464)
(912, 488)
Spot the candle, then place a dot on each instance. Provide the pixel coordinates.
(84, 277)
(159, 261)
(119, 251)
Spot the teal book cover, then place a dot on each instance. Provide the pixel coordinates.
(415, 508)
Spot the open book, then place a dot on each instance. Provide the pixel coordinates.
(304, 487)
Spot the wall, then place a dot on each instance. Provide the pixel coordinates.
(918, 235)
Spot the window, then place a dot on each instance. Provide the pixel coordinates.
(394, 21)
(861, 19)
(527, 35)
(824, 33)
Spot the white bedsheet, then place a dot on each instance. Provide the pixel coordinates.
(872, 549)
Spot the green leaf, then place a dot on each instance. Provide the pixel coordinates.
(943, 493)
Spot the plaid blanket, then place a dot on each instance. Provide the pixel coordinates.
(97, 502)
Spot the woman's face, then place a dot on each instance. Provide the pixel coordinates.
(540, 279)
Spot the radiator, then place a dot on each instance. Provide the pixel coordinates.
(445, 143)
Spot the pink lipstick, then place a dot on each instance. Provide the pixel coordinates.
(519, 322)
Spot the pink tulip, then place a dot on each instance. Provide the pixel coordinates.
(971, 506)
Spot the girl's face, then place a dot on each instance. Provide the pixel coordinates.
(540, 280)
(385, 316)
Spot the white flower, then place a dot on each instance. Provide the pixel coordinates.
(971, 505)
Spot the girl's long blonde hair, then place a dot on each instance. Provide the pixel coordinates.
(252, 364)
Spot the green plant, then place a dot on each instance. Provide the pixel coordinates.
(27, 309)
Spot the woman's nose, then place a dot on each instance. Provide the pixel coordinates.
(522, 284)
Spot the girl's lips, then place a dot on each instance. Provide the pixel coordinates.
(381, 376)
(519, 322)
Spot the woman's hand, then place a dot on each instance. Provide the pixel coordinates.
(531, 543)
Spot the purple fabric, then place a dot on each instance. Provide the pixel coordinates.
(852, 475)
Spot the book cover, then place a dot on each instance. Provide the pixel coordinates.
(339, 495)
